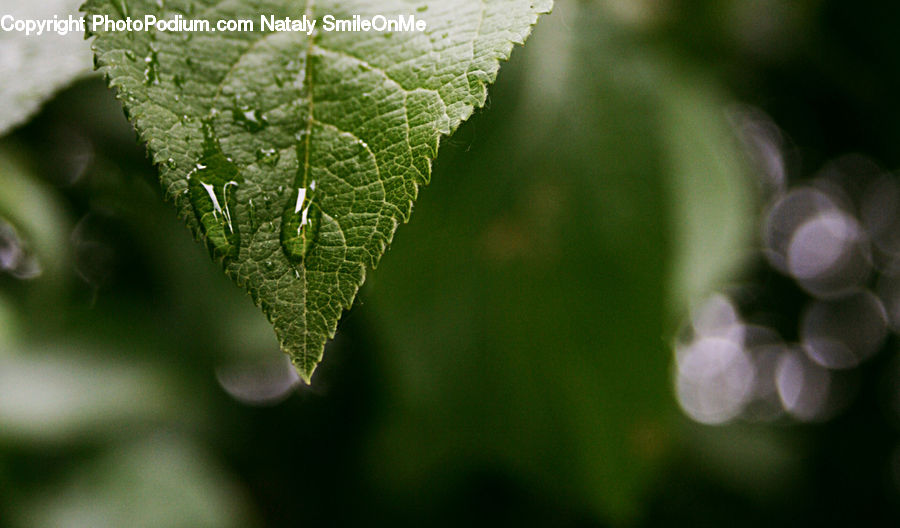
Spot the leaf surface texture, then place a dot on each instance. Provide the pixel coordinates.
(294, 157)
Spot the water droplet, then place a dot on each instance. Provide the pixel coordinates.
(259, 382)
(213, 184)
(302, 217)
(252, 210)
(250, 118)
(170, 163)
(151, 73)
(130, 55)
(268, 156)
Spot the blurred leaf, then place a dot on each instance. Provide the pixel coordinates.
(67, 392)
(33, 67)
(525, 312)
(9, 325)
(709, 186)
(297, 157)
(161, 482)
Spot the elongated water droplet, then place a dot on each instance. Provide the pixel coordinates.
(213, 185)
(302, 217)
(151, 72)
(300, 224)
(252, 211)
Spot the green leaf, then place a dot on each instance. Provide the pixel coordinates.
(296, 158)
(161, 480)
(34, 67)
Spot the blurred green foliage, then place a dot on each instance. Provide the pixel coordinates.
(509, 361)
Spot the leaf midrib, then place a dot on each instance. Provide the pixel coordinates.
(308, 81)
